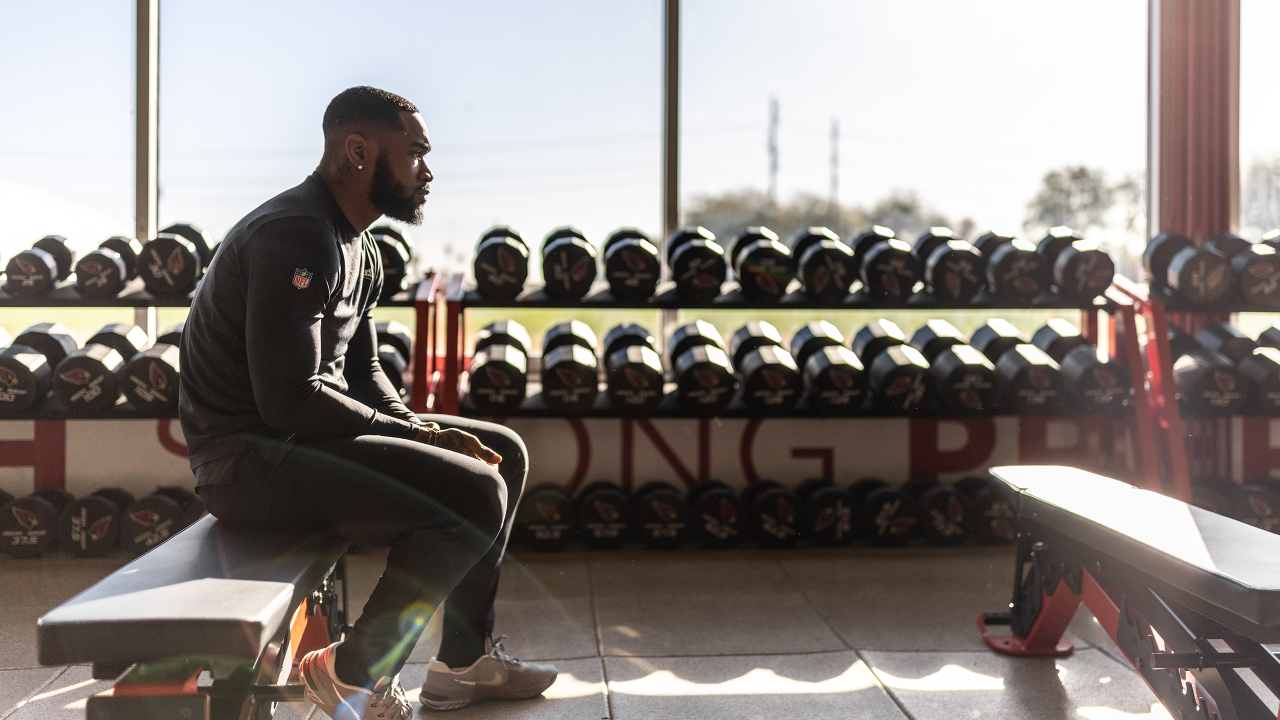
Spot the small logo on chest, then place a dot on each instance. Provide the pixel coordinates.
(368, 273)
(301, 278)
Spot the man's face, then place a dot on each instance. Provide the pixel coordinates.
(401, 178)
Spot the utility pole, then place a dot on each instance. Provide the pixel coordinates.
(835, 162)
(671, 119)
(773, 150)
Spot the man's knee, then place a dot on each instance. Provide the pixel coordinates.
(500, 438)
(484, 498)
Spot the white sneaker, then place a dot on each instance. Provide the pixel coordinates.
(495, 675)
(340, 701)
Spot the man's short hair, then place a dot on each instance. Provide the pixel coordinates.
(365, 106)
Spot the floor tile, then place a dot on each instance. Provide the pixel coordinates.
(16, 685)
(577, 693)
(811, 686)
(32, 588)
(905, 599)
(64, 698)
(703, 603)
(949, 685)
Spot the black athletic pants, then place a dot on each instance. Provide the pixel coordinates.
(445, 516)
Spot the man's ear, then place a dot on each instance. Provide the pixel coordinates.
(360, 151)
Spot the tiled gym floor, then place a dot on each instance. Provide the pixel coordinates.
(856, 633)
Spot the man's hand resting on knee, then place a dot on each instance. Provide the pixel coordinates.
(458, 441)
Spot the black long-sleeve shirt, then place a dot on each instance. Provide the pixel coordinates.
(280, 343)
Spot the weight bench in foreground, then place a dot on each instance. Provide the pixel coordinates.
(1189, 597)
(242, 605)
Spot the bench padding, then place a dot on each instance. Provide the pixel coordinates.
(1202, 555)
(209, 591)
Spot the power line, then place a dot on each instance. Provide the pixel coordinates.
(773, 150)
(835, 161)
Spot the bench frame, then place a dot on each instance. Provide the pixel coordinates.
(169, 688)
(1191, 661)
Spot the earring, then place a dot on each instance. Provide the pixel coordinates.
(359, 167)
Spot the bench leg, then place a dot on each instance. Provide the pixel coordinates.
(1046, 593)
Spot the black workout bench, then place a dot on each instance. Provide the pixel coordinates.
(242, 606)
(1191, 598)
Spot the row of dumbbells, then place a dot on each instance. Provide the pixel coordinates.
(170, 265)
(1222, 371)
(119, 364)
(712, 514)
(937, 370)
(94, 525)
(1226, 270)
(939, 268)
(1256, 503)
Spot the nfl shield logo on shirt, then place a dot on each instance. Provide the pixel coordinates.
(301, 278)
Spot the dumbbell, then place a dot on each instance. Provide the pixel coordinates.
(1257, 275)
(569, 370)
(1199, 276)
(501, 266)
(824, 264)
(1208, 384)
(104, 272)
(395, 233)
(888, 515)
(395, 366)
(898, 374)
(996, 338)
(1080, 270)
(835, 380)
(992, 509)
(965, 380)
(35, 271)
(498, 376)
(125, 338)
(150, 379)
(87, 382)
(930, 240)
(866, 240)
(768, 374)
(1226, 339)
(935, 336)
(605, 516)
(633, 382)
(661, 515)
(1032, 382)
(719, 516)
(954, 272)
(697, 264)
(1159, 253)
(946, 514)
(195, 236)
(1271, 238)
(1057, 337)
(762, 264)
(773, 514)
(171, 335)
(1016, 272)
(546, 519)
(625, 335)
(1099, 383)
(988, 242)
(396, 256)
(1262, 370)
(827, 512)
(889, 271)
(28, 525)
(90, 526)
(25, 376)
(631, 265)
(154, 518)
(396, 334)
(5, 498)
(704, 380)
(568, 264)
(1255, 504)
(699, 332)
(169, 265)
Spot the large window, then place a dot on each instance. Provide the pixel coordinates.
(1259, 109)
(947, 112)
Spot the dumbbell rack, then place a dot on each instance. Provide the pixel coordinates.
(1237, 445)
(124, 447)
(441, 358)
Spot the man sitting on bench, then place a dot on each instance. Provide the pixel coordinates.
(291, 423)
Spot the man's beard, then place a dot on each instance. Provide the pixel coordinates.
(391, 196)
